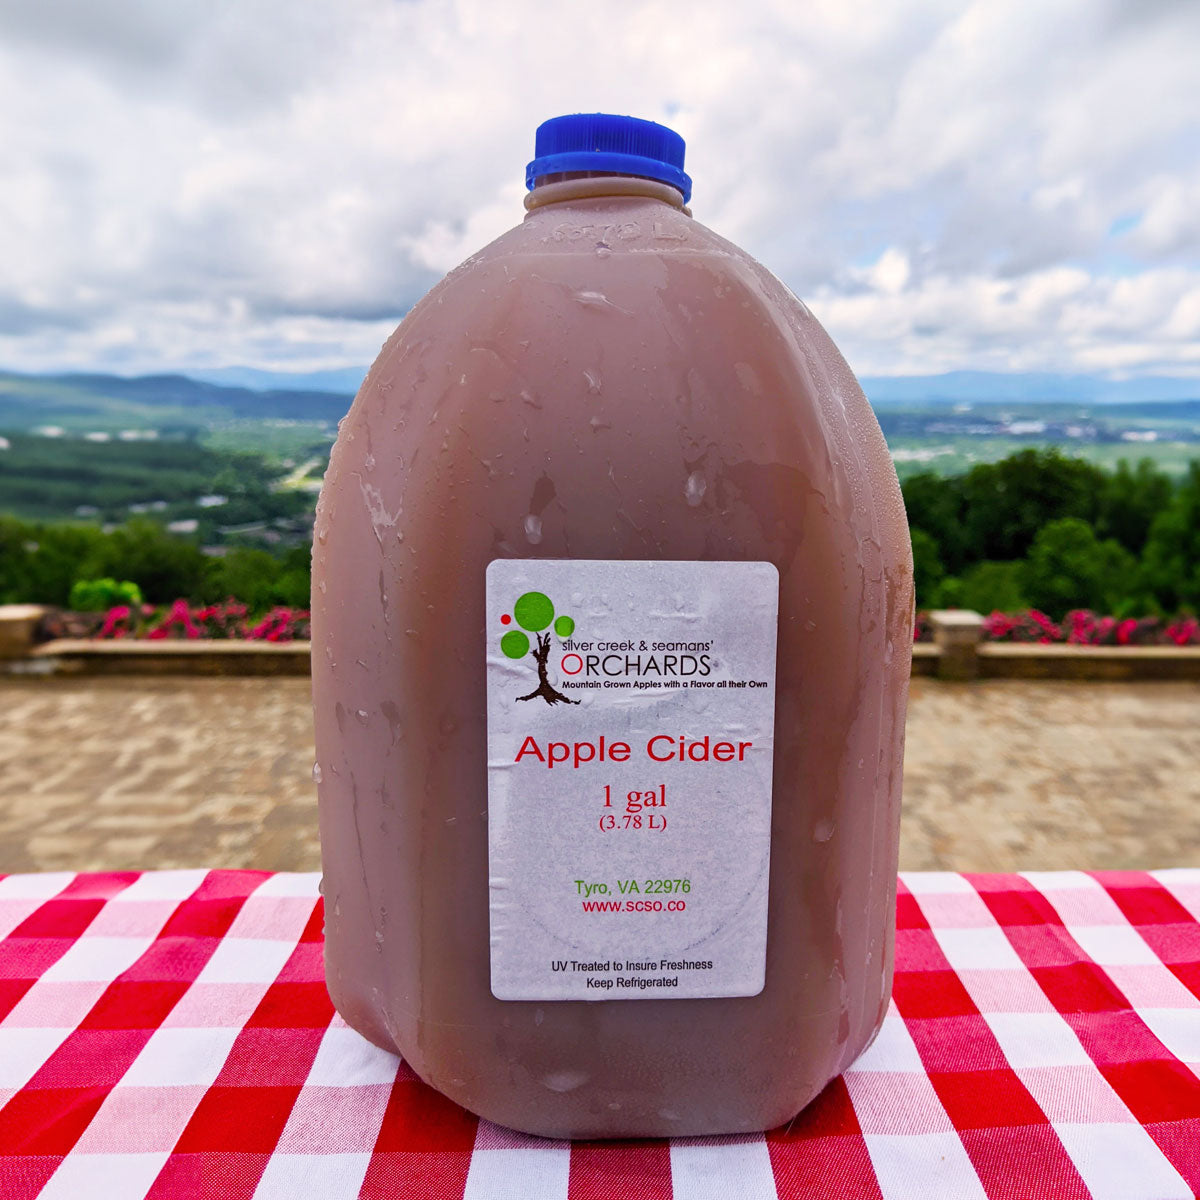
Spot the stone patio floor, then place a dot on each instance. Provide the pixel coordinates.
(136, 773)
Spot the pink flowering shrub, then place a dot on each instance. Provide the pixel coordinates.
(1079, 628)
(117, 622)
(1083, 628)
(230, 620)
(280, 625)
(1031, 626)
(1184, 631)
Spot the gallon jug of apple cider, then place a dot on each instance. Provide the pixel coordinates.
(612, 625)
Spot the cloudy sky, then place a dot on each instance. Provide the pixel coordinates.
(996, 185)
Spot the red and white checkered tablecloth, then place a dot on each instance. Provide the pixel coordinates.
(168, 1034)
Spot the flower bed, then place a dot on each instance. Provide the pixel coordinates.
(1083, 628)
(232, 621)
(1078, 628)
(228, 621)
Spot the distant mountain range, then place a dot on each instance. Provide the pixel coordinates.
(199, 400)
(954, 387)
(341, 381)
(86, 401)
(981, 387)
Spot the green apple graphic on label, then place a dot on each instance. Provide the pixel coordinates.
(534, 613)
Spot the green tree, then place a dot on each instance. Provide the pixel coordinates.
(166, 568)
(1130, 501)
(927, 567)
(1171, 561)
(294, 585)
(1068, 566)
(1007, 503)
(986, 587)
(40, 563)
(247, 575)
(258, 579)
(935, 505)
(13, 538)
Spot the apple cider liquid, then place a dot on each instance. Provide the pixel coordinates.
(612, 625)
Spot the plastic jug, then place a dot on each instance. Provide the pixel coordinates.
(612, 625)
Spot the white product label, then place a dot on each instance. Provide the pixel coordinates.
(631, 720)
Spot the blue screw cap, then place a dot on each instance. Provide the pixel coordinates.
(607, 143)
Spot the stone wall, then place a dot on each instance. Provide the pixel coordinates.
(957, 654)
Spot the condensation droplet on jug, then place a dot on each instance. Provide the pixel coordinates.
(533, 529)
(823, 831)
(565, 1081)
(362, 715)
(695, 488)
(593, 381)
(369, 462)
(317, 775)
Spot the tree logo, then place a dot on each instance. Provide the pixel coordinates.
(534, 613)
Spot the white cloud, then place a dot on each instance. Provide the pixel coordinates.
(951, 184)
(1058, 317)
